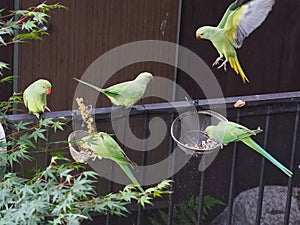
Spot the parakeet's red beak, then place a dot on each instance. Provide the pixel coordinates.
(198, 36)
(48, 92)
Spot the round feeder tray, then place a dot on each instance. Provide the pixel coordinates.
(75, 149)
(188, 131)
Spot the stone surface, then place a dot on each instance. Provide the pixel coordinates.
(273, 208)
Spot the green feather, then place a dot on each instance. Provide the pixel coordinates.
(34, 96)
(238, 22)
(130, 175)
(226, 132)
(106, 147)
(252, 144)
(229, 10)
(125, 93)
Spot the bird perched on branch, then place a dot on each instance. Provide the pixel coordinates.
(226, 132)
(35, 96)
(238, 22)
(125, 93)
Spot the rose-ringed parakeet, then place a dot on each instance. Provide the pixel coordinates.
(125, 93)
(237, 23)
(106, 147)
(35, 96)
(226, 132)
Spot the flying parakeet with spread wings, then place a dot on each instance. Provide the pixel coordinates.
(237, 23)
(125, 93)
(226, 132)
(35, 96)
(106, 147)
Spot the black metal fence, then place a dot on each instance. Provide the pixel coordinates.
(236, 168)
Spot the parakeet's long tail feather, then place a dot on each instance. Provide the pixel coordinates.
(252, 144)
(234, 63)
(130, 175)
(104, 91)
(90, 85)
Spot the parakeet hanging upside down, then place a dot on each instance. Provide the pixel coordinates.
(237, 23)
(106, 147)
(35, 96)
(227, 132)
(125, 93)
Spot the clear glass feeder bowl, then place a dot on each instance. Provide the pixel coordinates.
(73, 139)
(188, 131)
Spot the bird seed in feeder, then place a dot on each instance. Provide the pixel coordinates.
(207, 144)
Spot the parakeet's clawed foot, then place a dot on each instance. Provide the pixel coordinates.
(217, 61)
(45, 107)
(37, 115)
(223, 65)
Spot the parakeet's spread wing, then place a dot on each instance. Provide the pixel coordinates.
(245, 19)
(229, 10)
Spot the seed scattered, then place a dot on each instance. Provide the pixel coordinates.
(203, 145)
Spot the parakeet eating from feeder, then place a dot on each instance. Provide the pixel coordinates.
(106, 147)
(226, 132)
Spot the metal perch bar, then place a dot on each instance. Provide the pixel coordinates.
(281, 103)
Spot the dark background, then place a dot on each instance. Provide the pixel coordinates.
(90, 28)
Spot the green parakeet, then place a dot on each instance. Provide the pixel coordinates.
(125, 93)
(35, 96)
(237, 23)
(227, 132)
(106, 147)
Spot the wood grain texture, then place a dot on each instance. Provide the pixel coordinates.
(6, 55)
(88, 29)
(268, 56)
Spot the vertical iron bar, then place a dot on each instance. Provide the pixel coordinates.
(108, 220)
(171, 203)
(111, 183)
(15, 59)
(47, 155)
(262, 171)
(289, 192)
(201, 194)
(177, 48)
(232, 173)
(172, 144)
(110, 189)
(144, 160)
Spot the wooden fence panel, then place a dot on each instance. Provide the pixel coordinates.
(84, 32)
(268, 56)
(6, 54)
